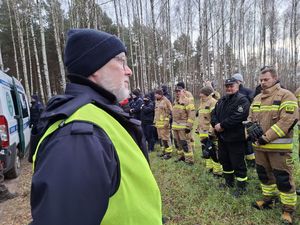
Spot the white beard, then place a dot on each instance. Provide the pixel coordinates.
(119, 90)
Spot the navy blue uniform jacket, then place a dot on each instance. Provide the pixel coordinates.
(230, 111)
(77, 167)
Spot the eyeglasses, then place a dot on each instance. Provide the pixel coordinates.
(123, 60)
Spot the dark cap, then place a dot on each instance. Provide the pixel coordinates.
(231, 80)
(178, 88)
(181, 84)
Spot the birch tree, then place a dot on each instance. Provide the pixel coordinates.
(44, 54)
(55, 15)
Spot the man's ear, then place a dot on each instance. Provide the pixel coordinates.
(94, 76)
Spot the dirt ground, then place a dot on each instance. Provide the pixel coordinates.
(17, 210)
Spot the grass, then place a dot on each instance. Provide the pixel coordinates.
(191, 196)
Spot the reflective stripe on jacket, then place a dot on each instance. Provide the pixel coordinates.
(206, 107)
(163, 109)
(183, 114)
(134, 202)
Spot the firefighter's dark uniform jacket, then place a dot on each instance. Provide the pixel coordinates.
(230, 111)
(77, 168)
(276, 110)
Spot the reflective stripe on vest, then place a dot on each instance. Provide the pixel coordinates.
(278, 144)
(137, 200)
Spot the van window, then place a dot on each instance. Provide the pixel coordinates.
(15, 102)
(24, 105)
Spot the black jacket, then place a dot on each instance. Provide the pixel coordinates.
(230, 111)
(35, 112)
(147, 113)
(135, 107)
(247, 92)
(77, 168)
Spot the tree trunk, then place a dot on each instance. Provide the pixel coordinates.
(56, 29)
(38, 68)
(22, 48)
(13, 40)
(45, 63)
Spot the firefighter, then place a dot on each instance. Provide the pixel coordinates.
(205, 131)
(163, 109)
(227, 117)
(183, 119)
(190, 96)
(216, 95)
(274, 113)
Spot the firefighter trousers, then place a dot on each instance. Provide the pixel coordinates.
(275, 172)
(182, 145)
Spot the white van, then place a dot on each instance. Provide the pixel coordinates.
(14, 124)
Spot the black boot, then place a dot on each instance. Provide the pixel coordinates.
(240, 189)
(250, 163)
(4, 196)
(167, 156)
(229, 181)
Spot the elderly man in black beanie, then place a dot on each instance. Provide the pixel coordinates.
(90, 162)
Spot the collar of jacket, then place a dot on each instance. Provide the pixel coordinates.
(77, 79)
(78, 93)
(269, 91)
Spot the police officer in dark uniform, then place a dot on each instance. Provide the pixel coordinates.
(227, 119)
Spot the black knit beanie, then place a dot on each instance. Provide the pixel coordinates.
(87, 50)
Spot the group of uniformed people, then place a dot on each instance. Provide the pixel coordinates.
(228, 127)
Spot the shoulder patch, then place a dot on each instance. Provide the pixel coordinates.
(82, 128)
(240, 109)
(290, 109)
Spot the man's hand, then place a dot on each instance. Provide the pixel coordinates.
(187, 130)
(218, 128)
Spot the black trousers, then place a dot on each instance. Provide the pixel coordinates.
(231, 156)
(149, 132)
(249, 149)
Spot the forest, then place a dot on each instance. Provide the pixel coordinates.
(167, 40)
